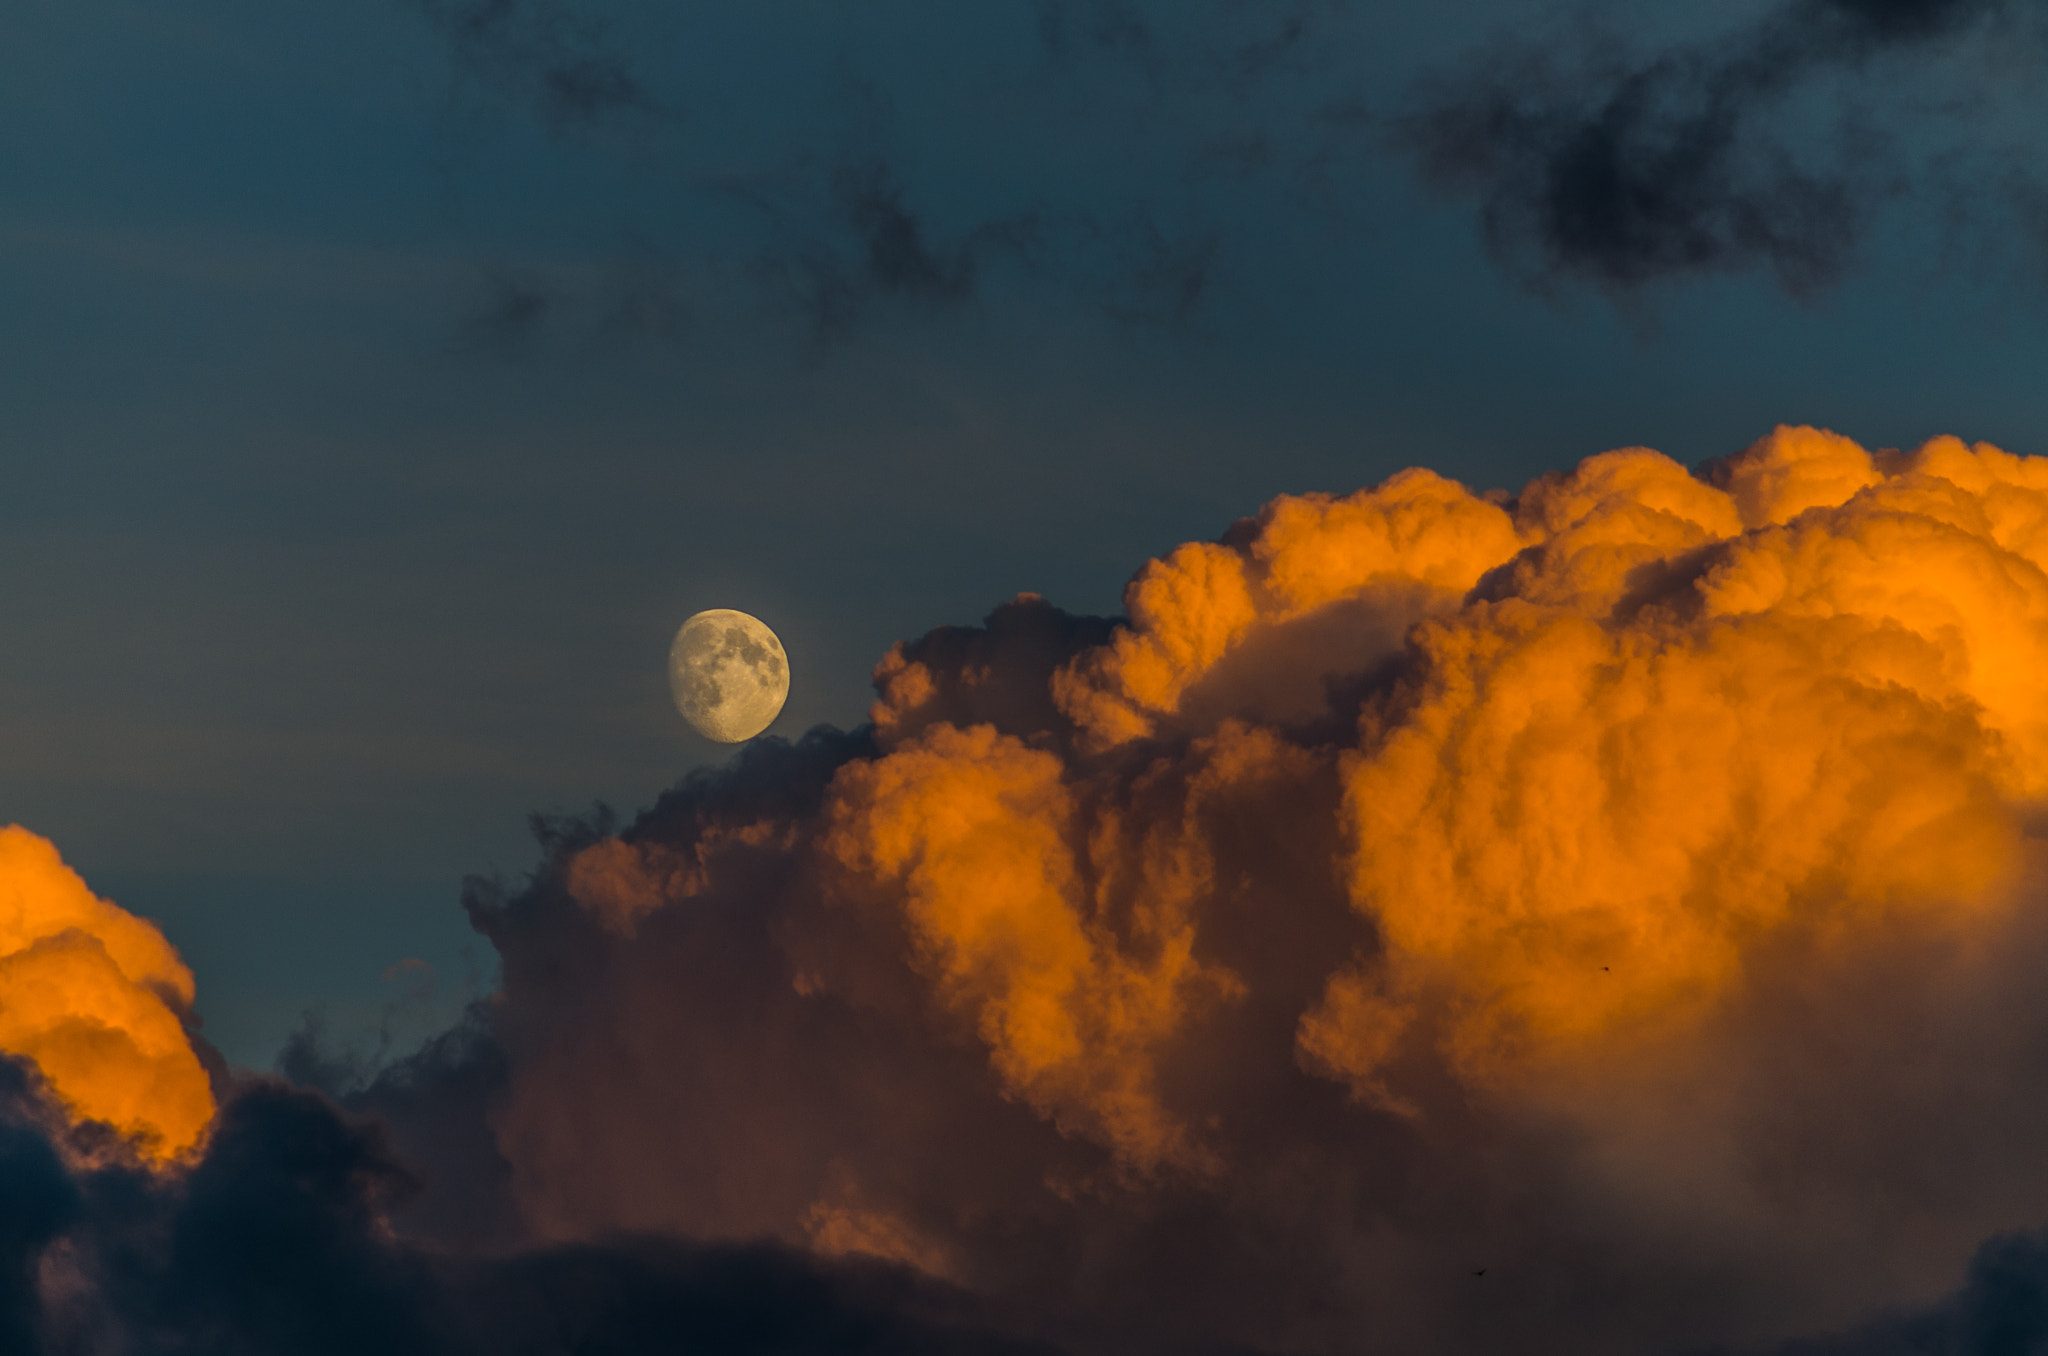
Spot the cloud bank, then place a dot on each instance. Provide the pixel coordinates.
(1602, 918)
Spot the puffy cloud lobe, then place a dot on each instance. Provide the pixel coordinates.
(1066, 929)
(94, 996)
(1415, 543)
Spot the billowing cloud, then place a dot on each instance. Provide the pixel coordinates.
(1605, 918)
(1601, 888)
(96, 999)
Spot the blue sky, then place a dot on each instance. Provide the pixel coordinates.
(383, 383)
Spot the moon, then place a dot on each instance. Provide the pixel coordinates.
(729, 675)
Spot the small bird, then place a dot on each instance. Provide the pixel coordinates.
(1604, 967)
(1480, 1272)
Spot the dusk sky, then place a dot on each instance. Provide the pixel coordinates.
(384, 383)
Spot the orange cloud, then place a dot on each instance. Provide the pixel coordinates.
(1009, 887)
(92, 995)
(1668, 745)
(1419, 540)
(1647, 722)
(1630, 870)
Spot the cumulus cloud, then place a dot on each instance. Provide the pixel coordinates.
(98, 1001)
(1605, 918)
(1602, 915)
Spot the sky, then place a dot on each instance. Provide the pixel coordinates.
(381, 385)
(375, 410)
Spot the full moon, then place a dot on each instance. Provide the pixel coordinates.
(729, 675)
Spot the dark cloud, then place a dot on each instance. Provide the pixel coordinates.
(1626, 169)
(38, 1201)
(277, 1243)
(877, 248)
(849, 225)
(551, 52)
(1773, 146)
(510, 311)
(1119, 27)
(1160, 277)
(640, 297)
(1236, 44)
(2001, 1310)
(879, 251)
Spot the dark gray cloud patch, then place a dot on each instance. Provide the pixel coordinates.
(508, 310)
(1116, 27)
(1230, 42)
(1161, 277)
(548, 51)
(895, 254)
(866, 244)
(1624, 168)
(1095, 158)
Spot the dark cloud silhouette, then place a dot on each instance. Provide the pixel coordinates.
(38, 1201)
(1627, 169)
(277, 1243)
(2001, 1310)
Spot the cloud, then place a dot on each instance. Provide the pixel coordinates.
(277, 1241)
(1626, 168)
(551, 53)
(877, 248)
(1114, 158)
(98, 1001)
(1115, 26)
(852, 215)
(1596, 887)
(1606, 917)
